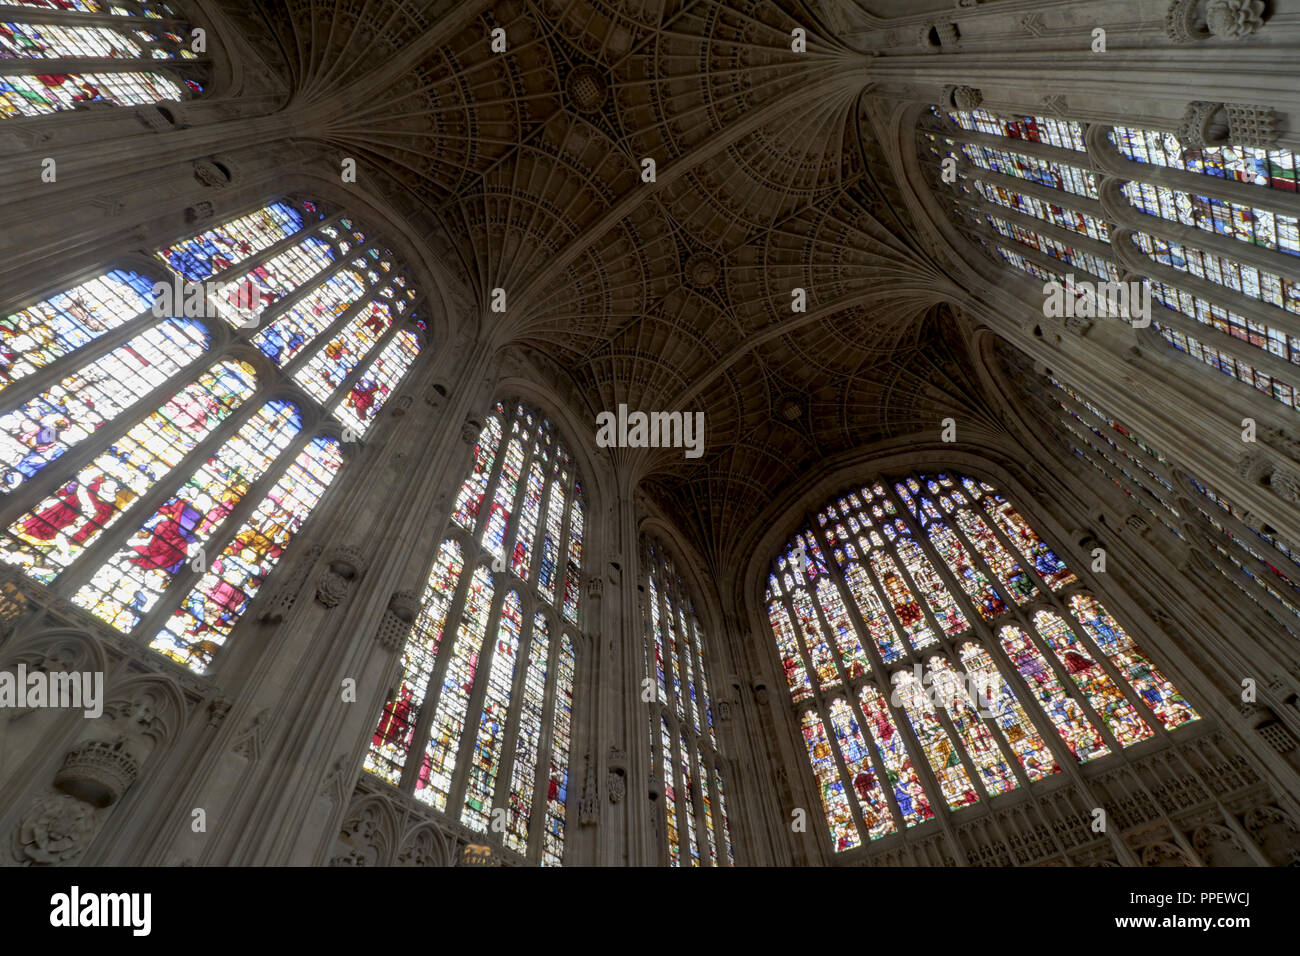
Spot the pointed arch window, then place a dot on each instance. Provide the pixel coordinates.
(1212, 231)
(684, 759)
(965, 659)
(479, 726)
(157, 458)
(58, 55)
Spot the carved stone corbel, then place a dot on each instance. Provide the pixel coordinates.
(199, 211)
(963, 97)
(98, 772)
(1076, 325)
(617, 774)
(1254, 466)
(345, 565)
(1188, 21)
(399, 617)
(1285, 484)
(1218, 124)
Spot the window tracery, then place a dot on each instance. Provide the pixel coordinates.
(976, 658)
(684, 758)
(154, 472)
(1262, 565)
(1211, 231)
(487, 676)
(118, 52)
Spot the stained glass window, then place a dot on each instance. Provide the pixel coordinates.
(487, 677)
(1225, 299)
(39, 334)
(147, 480)
(91, 397)
(1259, 564)
(1274, 168)
(685, 763)
(153, 60)
(982, 665)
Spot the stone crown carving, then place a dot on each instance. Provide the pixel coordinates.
(97, 772)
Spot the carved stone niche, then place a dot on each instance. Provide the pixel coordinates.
(395, 627)
(1188, 21)
(344, 567)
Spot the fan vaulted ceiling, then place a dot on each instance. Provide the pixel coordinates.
(672, 295)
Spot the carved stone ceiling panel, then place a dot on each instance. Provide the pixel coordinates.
(668, 295)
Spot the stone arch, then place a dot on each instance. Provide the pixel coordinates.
(368, 834)
(1275, 832)
(424, 846)
(1164, 853)
(1218, 846)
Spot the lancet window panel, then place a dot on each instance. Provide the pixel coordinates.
(66, 55)
(954, 656)
(157, 459)
(1263, 567)
(1212, 231)
(684, 759)
(479, 724)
